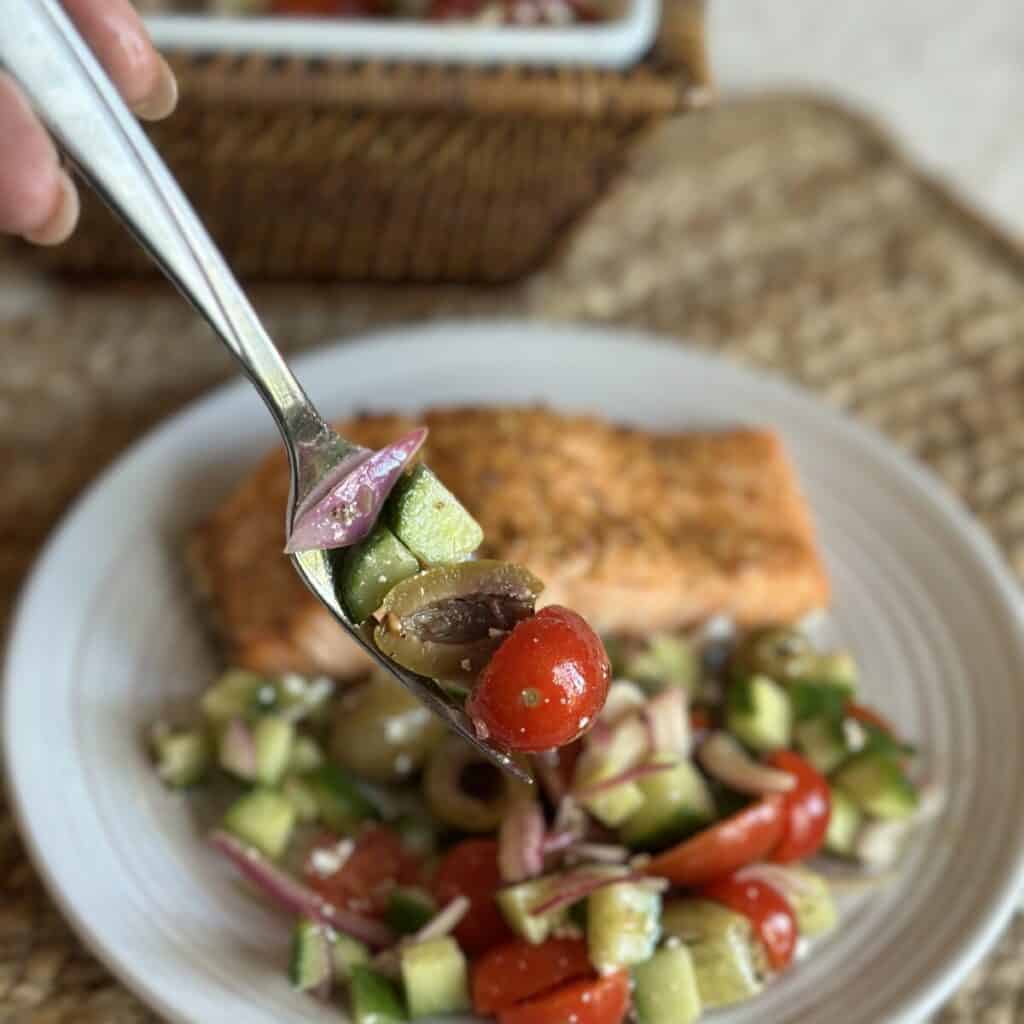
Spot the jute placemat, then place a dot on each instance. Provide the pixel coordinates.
(779, 232)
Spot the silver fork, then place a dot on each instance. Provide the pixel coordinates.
(41, 49)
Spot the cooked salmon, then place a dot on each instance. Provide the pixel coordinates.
(636, 530)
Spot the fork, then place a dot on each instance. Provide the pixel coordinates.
(72, 95)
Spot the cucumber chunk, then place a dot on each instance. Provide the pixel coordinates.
(626, 746)
(341, 802)
(623, 925)
(759, 714)
(430, 521)
(409, 909)
(821, 741)
(300, 794)
(665, 988)
(812, 903)
(262, 818)
(375, 1000)
(436, 977)
(676, 802)
(273, 738)
(837, 669)
(667, 659)
(234, 695)
(346, 954)
(727, 959)
(516, 901)
(877, 785)
(306, 756)
(843, 824)
(310, 965)
(370, 569)
(182, 756)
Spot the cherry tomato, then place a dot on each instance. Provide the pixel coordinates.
(545, 684)
(588, 1001)
(767, 909)
(365, 878)
(720, 850)
(805, 809)
(470, 869)
(869, 716)
(517, 970)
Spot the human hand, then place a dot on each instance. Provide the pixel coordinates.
(37, 197)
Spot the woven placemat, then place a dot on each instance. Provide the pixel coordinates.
(780, 232)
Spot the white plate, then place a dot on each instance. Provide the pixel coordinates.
(106, 637)
(613, 44)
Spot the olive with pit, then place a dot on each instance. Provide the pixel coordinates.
(446, 623)
(784, 655)
(381, 731)
(465, 791)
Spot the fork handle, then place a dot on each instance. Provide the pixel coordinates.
(73, 97)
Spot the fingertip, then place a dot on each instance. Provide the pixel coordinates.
(62, 220)
(162, 97)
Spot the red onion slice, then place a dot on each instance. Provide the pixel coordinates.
(445, 921)
(638, 771)
(237, 753)
(668, 720)
(353, 497)
(579, 884)
(290, 894)
(722, 756)
(521, 842)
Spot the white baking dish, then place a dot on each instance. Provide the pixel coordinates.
(610, 44)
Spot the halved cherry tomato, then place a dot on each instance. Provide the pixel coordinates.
(805, 809)
(517, 970)
(545, 684)
(589, 1001)
(720, 850)
(869, 716)
(767, 909)
(470, 869)
(365, 878)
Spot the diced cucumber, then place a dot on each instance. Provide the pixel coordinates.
(812, 902)
(375, 1000)
(311, 963)
(667, 659)
(759, 713)
(676, 801)
(436, 977)
(665, 988)
(623, 924)
(821, 741)
(182, 756)
(843, 824)
(301, 795)
(600, 761)
(727, 959)
(370, 569)
(430, 521)
(516, 901)
(263, 818)
(273, 738)
(409, 909)
(306, 756)
(346, 954)
(341, 802)
(817, 700)
(837, 669)
(233, 694)
(877, 785)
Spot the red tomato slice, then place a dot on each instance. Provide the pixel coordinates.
(365, 878)
(545, 684)
(590, 1001)
(470, 869)
(805, 809)
(517, 970)
(720, 850)
(767, 909)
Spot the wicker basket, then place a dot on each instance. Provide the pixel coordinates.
(322, 170)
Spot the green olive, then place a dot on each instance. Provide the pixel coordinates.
(466, 791)
(381, 732)
(446, 623)
(782, 654)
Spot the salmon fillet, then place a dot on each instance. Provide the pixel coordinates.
(635, 530)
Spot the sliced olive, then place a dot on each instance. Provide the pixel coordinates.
(466, 791)
(381, 732)
(447, 622)
(781, 654)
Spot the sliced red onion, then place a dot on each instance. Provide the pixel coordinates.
(556, 842)
(668, 720)
(290, 894)
(445, 921)
(354, 497)
(577, 885)
(724, 758)
(545, 768)
(521, 842)
(237, 753)
(600, 853)
(638, 771)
